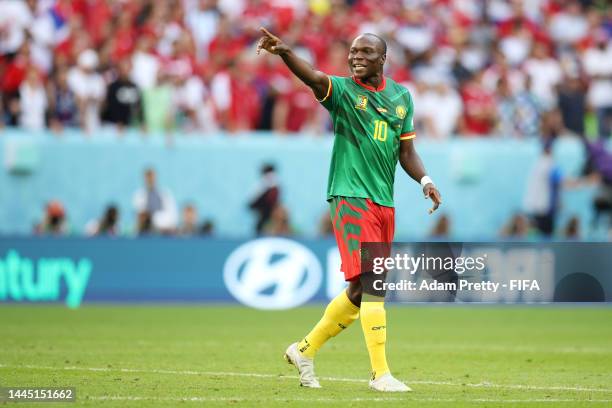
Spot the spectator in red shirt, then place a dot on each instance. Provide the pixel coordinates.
(317, 39)
(295, 110)
(124, 37)
(479, 108)
(245, 108)
(335, 61)
(236, 100)
(12, 78)
(227, 44)
(98, 20)
(520, 21)
(181, 61)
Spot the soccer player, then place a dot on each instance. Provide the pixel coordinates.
(373, 127)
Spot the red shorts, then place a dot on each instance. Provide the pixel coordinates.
(357, 220)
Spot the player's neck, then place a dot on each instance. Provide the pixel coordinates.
(373, 83)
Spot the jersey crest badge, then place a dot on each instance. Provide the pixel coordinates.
(400, 111)
(362, 102)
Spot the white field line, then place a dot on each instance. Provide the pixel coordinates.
(413, 347)
(339, 399)
(484, 384)
(440, 346)
(516, 349)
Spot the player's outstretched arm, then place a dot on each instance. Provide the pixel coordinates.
(412, 164)
(316, 80)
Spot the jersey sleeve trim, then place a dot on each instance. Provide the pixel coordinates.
(329, 90)
(408, 136)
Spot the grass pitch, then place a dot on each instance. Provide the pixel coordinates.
(186, 356)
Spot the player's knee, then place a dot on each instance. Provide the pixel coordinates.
(354, 296)
(354, 292)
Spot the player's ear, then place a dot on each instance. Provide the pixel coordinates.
(383, 58)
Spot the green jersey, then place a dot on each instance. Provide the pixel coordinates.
(368, 126)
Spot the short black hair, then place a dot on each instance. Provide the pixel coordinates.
(268, 168)
(381, 42)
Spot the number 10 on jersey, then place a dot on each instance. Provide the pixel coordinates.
(380, 130)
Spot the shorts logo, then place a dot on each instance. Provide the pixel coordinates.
(400, 111)
(362, 102)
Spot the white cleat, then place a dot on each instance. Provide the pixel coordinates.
(304, 365)
(388, 383)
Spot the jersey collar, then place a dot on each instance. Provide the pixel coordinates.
(381, 87)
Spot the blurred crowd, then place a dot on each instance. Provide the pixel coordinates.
(156, 211)
(517, 68)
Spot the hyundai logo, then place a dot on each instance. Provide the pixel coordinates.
(272, 273)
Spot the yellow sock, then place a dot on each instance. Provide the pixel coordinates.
(339, 314)
(374, 325)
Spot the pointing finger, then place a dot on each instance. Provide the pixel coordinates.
(266, 32)
(438, 198)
